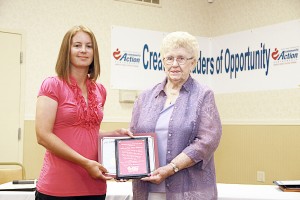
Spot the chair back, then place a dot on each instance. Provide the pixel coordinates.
(10, 171)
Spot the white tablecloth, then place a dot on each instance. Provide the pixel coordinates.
(118, 191)
(254, 192)
(18, 195)
(122, 191)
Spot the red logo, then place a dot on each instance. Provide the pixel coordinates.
(117, 54)
(275, 54)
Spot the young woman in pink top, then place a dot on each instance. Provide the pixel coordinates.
(69, 111)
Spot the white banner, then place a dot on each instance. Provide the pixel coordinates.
(135, 61)
(260, 59)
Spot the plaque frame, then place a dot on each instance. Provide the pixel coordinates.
(106, 151)
(129, 170)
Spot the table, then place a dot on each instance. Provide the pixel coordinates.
(115, 191)
(122, 191)
(118, 191)
(254, 192)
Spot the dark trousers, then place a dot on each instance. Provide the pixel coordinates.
(40, 196)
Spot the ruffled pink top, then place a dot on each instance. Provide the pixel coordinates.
(77, 123)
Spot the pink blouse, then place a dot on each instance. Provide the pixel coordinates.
(77, 124)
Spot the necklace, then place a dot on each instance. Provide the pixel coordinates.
(171, 96)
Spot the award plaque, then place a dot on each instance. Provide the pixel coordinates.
(115, 156)
(132, 158)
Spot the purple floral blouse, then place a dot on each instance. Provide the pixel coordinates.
(194, 128)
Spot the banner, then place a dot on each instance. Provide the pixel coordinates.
(135, 61)
(260, 59)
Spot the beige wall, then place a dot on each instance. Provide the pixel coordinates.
(253, 137)
(229, 16)
(246, 149)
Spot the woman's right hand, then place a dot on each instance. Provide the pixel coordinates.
(96, 170)
(159, 175)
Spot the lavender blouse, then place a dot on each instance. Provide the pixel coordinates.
(194, 128)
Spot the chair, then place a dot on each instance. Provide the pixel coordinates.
(10, 171)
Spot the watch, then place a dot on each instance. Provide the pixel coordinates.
(175, 168)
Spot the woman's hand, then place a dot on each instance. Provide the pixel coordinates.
(123, 132)
(160, 174)
(119, 132)
(96, 170)
(121, 180)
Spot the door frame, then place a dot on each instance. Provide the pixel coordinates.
(22, 91)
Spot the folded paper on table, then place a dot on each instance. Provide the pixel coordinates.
(107, 152)
(289, 185)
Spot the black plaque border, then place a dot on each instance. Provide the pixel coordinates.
(147, 160)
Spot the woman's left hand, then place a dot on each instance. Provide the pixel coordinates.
(159, 175)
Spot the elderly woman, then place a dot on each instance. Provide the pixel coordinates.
(183, 114)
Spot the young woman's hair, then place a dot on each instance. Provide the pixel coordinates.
(62, 67)
(179, 39)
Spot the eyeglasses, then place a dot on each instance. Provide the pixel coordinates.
(180, 60)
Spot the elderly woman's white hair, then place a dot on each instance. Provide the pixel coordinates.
(180, 39)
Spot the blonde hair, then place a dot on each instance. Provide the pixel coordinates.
(180, 39)
(62, 67)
